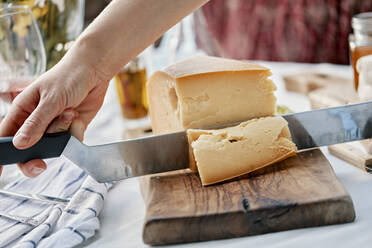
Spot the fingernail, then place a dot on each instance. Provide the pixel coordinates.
(68, 116)
(35, 171)
(21, 139)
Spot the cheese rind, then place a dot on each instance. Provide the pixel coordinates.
(205, 91)
(199, 65)
(227, 153)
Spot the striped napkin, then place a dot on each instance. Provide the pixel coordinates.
(60, 225)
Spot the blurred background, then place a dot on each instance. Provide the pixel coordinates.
(280, 30)
(308, 44)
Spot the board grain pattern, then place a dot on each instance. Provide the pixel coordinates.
(298, 192)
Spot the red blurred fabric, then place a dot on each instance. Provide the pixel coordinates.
(278, 30)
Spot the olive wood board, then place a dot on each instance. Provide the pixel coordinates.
(299, 192)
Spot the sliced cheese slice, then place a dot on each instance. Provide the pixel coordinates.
(227, 153)
(204, 91)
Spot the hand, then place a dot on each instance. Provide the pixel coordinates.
(68, 96)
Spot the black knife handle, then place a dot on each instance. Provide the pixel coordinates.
(49, 146)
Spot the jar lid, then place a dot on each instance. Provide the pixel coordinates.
(362, 22)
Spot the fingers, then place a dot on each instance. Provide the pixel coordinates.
(17, 114)
(62, 122)
(33, 168)
(35, 125)
(69, 119)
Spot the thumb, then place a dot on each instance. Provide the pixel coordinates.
(35, 125)
(62, 122)
(77, 128)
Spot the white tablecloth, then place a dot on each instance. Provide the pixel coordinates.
(124, 210)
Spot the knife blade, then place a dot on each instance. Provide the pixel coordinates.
(329, 126)
(109, 162)
(154, 154)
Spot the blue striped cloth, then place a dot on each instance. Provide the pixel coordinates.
(61, 225)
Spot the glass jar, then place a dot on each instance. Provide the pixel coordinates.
(131, 87)
(361, 41)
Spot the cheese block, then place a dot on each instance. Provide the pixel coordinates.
(227, 153)
(204, 91)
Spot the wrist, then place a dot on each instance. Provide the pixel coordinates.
(81, 60)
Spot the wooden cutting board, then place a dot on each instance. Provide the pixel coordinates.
(352, 152)
(326, 91)
(306, 82)
(301, 191)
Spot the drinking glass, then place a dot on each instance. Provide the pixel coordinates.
(22, 53)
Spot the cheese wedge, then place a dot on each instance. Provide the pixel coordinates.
(204, 91)
(227, 153)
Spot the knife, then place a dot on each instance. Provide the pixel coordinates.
(154, 154)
